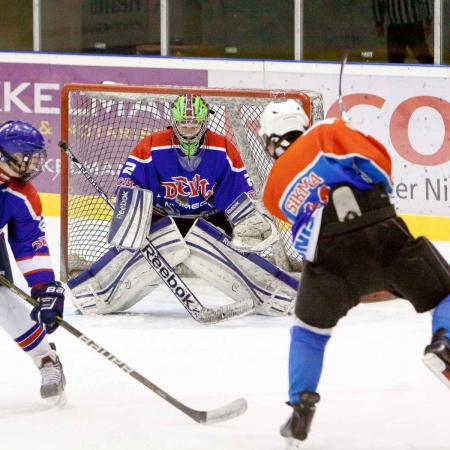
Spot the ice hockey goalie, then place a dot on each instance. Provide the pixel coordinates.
(202, 215)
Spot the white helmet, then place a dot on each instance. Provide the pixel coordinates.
(281, 124)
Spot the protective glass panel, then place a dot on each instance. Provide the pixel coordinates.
(16, 25)
(369, 29)
(99, 26)
(232, 28)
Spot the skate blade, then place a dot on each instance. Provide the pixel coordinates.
(57, 400)
(292, 444)
(437, 366)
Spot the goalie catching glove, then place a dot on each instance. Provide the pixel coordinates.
(253, 231)
(51, 305)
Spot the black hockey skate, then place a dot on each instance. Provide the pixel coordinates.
(53, 379)
(437, 356)
(297, 426)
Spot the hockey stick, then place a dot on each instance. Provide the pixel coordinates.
(181, 291)
(341, 102)
(227, 412)
(376, 296)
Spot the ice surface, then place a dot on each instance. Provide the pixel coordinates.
(376, 392)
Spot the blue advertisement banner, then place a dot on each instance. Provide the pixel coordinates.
(31, 93)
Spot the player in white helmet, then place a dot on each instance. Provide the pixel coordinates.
(332, 183)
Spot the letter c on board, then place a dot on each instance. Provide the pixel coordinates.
(398, 130)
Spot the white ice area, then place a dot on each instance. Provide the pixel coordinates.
(376, 392)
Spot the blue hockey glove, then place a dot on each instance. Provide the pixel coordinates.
(51, 304)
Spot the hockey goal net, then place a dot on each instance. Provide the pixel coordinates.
(102, 123)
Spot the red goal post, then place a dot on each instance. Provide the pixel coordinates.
(102, 123)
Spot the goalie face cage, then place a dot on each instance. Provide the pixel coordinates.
(103, 123)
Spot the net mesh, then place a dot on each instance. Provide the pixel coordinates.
(104, 126)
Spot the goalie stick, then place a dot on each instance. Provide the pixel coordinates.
(227, 412)
(181, 291)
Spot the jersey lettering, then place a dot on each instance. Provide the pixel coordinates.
(301, 241)
(301, 192)
(129, 168)
(126, 182)
(187, 188)
(41, 242)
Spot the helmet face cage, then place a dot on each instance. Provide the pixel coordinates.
(190, 118)
(22, 148)
(276, 145)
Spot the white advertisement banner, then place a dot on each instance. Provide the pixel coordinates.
(405, 108)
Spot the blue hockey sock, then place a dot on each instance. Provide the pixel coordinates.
(441, 316)
(305, 361)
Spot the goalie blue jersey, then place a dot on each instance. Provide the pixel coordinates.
(217, 181)
(21, 212)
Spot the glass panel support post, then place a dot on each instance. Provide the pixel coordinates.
(37, 26)
(438, 32)
(298, 30)
(165, 46)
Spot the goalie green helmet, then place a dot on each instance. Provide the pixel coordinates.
(190, 118)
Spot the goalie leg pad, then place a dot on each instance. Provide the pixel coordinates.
(120, 278)
(239, 275)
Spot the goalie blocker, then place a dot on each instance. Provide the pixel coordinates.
(122, 277)
(131, 218)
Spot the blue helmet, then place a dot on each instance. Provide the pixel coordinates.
(22, 147)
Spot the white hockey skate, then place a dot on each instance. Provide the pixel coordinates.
(53, 379)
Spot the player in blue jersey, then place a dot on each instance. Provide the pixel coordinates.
(204, 217)
(22, 155)
(332, 181)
